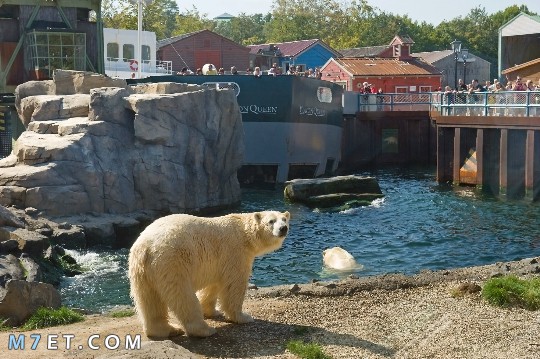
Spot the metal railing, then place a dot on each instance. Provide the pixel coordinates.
(130, 65)
(506, 103)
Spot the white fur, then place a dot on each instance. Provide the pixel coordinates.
(338, 258)
(179, 255)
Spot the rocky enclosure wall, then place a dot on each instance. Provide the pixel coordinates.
(94, 144)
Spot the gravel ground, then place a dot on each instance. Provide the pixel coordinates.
(390, 316)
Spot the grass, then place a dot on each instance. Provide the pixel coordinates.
(306, 350)
(46, 317)
(510, 291)
(124, 313)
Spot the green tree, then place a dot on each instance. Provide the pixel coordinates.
(244, 29)
(299, 19)
(158, 16)
(192, 20)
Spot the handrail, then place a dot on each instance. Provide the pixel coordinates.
(148, 66)
(504, 103)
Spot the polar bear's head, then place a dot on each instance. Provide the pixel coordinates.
(272, 228)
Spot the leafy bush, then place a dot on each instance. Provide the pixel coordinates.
(46, 317)
(510, 291)
(306, 350)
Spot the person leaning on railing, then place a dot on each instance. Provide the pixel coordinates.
(519, 86)
(500, 99)
(518, 99)
(476, 87)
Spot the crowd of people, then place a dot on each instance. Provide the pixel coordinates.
(497, 96)
(496, 86)
(275, 70)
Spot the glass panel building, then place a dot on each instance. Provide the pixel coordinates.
(50, 50)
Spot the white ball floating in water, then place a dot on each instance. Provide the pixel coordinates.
(339, 259)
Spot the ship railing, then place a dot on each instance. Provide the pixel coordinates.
(507, 103)
(131, 65)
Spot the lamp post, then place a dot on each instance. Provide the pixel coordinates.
(138, 53)
(456, 48)
(464, 56)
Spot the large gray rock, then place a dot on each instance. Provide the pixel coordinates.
(341, 192)
(49, 107)
(107, 104)
(20, 299)
(8, 218)
(80, 82)
(174, 149)
(10, 268)
(29, 241)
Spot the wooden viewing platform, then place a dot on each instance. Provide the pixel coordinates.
(499, 154)
(489, 140)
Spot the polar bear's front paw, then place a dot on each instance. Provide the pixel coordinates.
(200, 330)
(241, 318)
(163, 330)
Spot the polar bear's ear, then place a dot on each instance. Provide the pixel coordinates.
(288, 215)
(258, 217)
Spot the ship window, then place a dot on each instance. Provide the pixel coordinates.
(56, 50)
(112, 51)
(128, 52)
(324, 94)
(145, 51)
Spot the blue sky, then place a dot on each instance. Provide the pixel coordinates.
(431, 11)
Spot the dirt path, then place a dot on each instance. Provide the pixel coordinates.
(381, 317)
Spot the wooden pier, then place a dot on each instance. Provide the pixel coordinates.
(498, 154)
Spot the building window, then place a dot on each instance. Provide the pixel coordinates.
(425, 89)
(145, 51)
(397, 50)
(128, 52)
(402, 89)
(9, 12)
(342, 84)
(51, 50)
(112, 51)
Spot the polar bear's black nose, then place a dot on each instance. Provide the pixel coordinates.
(283, 230)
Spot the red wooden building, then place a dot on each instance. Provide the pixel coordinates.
(393, 70)
(195, 49)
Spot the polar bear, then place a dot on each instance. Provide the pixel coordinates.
(338, 258)
(185, 264)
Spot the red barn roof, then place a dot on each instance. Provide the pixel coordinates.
(385, 67)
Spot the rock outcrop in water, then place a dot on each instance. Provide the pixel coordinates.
(335, 193)
(90, 147)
